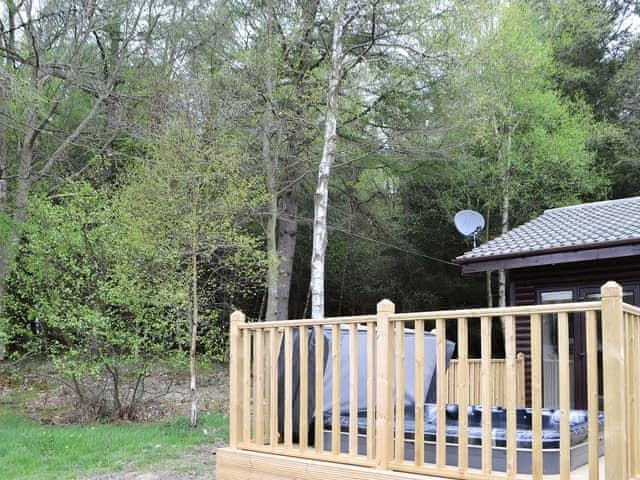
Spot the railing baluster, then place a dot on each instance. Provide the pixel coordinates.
(475, 382)
(634, 322)
(487, 394)
(258, 395)
(536, 396)
(288, 387)
(353, 389)
(565, 395)
(303, 427)
(267, 385)
(510, 394)
(400, 391)
(371, 389)
(273, 387)
(463, 394)
(635, 366)
(318, 333)
(420, 394)
(441, 364)
(592, 394)
(335, 389)
(246, 387)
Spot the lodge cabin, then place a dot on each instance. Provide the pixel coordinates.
(565, 255)
(379, 397)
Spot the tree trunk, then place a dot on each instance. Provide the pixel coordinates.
(270, 161)
(272, 255)
(9, 248)
(3, 199)
(194, 336)
(4, 121)
(502, 275)
(287, 235)
(321, 202)
(488, 274)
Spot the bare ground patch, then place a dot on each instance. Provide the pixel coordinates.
(44, 398)
(196, 464)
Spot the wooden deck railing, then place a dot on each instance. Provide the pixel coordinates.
(498, 373)
(286, 415)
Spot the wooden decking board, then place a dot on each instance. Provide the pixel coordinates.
(234, 464)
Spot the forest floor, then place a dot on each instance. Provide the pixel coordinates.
(197, 463)
(33, 405)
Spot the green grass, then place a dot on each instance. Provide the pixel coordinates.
(32, 451)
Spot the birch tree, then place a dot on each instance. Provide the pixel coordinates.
(321, 200)
(372, 43)
(276, 52)
(527, 148)
(190, 200)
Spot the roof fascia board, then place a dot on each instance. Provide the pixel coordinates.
(551, 258)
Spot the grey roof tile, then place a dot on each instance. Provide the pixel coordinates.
(578, 225)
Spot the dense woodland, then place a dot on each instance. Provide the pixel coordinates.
(163, 163)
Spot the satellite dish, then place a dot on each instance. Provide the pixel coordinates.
(469, 223)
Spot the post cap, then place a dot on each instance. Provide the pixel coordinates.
(611, 289)
(386, 306)
(237, 317)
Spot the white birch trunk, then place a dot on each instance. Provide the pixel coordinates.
(321, 202)
(194, 335)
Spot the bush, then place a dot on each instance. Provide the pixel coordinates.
(85, 293)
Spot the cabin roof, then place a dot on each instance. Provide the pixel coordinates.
(580, 232)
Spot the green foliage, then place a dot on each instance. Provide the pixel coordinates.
(85, 293)
(192, 200)
(88, 287)
(459, 103)
(523, 141)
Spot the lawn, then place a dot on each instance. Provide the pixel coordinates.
(29, 450)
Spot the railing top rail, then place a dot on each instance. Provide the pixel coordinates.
(433, 315)
(631, 309)
(308, 322)
(499, 311)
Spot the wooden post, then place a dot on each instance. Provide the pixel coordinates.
(235, 380)
(384, 387)
(615, 383)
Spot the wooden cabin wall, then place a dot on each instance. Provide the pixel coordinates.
(526, 283)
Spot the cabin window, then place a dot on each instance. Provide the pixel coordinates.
(550, 367)
(550, 322)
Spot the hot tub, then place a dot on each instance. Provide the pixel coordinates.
(578, 429)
